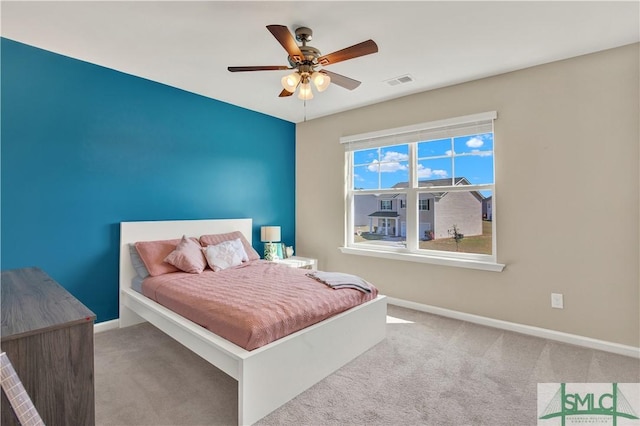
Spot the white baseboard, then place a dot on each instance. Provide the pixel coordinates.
(544, 333)
(105, 325)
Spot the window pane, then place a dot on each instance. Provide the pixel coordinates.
(474, 144)
(435, 163)
(474, 158)
(394, 165)
(365, 156)
(435, 148)
(463, 214)
(382, 167)
(477, 170)
(377, 227)
(432, 172)
(364, 178)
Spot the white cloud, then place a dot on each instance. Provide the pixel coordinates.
(475, 142)
(448, 153)
(481, 153)
(426, 172)
(394, 156)
(389, 163)
(386, 167)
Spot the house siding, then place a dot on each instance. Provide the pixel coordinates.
(460, 208)
(363, 206)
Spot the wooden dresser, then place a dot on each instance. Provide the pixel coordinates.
(47, 335)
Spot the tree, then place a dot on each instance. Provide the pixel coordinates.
(456, 235)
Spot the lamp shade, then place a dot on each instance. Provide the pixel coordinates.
(321, 80)
(270, 234)
(290, 82)
(305, 91)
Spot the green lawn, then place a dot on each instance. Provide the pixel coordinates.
(475, 244)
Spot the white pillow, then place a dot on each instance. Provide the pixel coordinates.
(225, 255)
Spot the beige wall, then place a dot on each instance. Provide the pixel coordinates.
(566, 202)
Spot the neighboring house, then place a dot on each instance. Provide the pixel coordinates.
(487, 208)
(437, 212)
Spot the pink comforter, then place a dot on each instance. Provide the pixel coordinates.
(253, 304)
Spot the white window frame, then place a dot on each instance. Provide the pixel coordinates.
(411, 135)
(390, 205)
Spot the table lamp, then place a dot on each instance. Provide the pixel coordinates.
(270, 235)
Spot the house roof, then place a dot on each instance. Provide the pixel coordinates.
(435, 182)
(389, 214)
(441, 182)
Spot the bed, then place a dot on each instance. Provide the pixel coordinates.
(294, 363)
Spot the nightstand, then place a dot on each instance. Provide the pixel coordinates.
(299, 262)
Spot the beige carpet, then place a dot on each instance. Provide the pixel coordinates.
(430, 370)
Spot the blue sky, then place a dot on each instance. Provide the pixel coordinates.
(467, 156)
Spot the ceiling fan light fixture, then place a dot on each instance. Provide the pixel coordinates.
(290, 82)
(305, 92)
(321, 80)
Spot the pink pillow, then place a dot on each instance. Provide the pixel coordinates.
(213, 239)
(153, 254)
(187, 256)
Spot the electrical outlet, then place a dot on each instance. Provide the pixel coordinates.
(557, 301)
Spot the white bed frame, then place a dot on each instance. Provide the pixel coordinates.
(271, 375)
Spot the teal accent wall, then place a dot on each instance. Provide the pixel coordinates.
(84, 148)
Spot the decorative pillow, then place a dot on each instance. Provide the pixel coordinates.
(137, 262)
(153, 254)
(225, 255)
(187, 256)
(213, 239)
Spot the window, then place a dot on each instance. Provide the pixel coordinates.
(442, 173)
(423, 204)
(386, 205)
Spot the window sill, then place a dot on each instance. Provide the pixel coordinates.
(434, 260)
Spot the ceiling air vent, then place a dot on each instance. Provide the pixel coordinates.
(403, 79)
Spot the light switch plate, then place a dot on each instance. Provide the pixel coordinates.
(557, 301)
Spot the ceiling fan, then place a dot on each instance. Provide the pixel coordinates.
(305, 59)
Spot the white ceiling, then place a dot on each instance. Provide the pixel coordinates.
(439, 43)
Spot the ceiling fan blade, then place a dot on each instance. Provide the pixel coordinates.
(341, 80)
(284, 93)
(361, 49)
(259, 68)
(284, 37)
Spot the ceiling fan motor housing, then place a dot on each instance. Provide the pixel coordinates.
(310, 54)
(304, 34)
